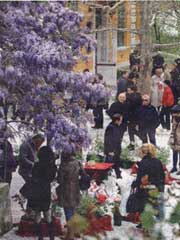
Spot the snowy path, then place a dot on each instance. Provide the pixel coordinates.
(127, 230)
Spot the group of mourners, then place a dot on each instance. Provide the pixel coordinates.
(139, 114)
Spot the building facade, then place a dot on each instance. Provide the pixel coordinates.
(114, 32)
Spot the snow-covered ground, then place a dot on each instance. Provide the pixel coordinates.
(127, 230)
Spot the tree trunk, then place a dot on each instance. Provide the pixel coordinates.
(145, 47)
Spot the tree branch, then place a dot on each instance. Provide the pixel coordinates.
(115, 29)
(166, 45)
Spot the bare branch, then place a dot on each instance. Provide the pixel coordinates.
(115, 29)
(166, 45)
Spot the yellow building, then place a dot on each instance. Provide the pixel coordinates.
(113, 30)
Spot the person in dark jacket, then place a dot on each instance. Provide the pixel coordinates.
(27, 158)
(43, 173)
(152, 167)
(122, 83)
(28, 155)
(112, 142)
(68, 179)
(135, 100)
(122, 107)
(148, 120)
(134, 58)
(158, 62)
(175, 76)
(7, 161)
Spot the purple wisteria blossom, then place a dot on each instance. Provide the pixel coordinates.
(39, 46)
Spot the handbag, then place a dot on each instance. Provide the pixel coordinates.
(135, 202)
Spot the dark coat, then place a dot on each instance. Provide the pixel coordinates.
(134, 59)
(121, 86)
(7, 161)
(154, 169)
(147, 117)
(113, 138)
(175, 75)
(135, 101)
(27, 156)
(121, 108)
(42, 176)
(68, 179)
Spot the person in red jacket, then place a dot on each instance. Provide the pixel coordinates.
(167, 103)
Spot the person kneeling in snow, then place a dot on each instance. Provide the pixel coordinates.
(150, 174)
(112, 142)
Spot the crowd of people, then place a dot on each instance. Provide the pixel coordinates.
(139, 114)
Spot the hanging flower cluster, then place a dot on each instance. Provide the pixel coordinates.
(39, 46)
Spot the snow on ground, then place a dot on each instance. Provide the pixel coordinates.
(127, 230)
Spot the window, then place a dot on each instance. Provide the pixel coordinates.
(98, 18)
(121, 24)
(73, 5)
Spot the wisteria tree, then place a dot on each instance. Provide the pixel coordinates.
(40, 43)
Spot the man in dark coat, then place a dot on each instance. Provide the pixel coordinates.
(27, 155)
(112, 142)
(148, 120)
(27, 158)
(122, 107)
(7, 161)
(122, 83)
(134, 58)
(135, 100)
(175, 75)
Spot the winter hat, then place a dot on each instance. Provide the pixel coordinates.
(176, 108)
(177, 61)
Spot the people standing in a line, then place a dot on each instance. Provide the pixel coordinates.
(135, 100)
(112, 142)
(43, 173)
(167, 103)
(174, 140)
(157, 88)
(148, 120)
(122, 83)
(68, 179)
(27, 158)
(120, 106)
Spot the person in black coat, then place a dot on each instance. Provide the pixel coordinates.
(7, 161)
(43, 173)
(122, 83)
(175, 84)
(122, 107)
(112, 142)
(135, 100)
(148, 120)
(152, 167)
(158, 62)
